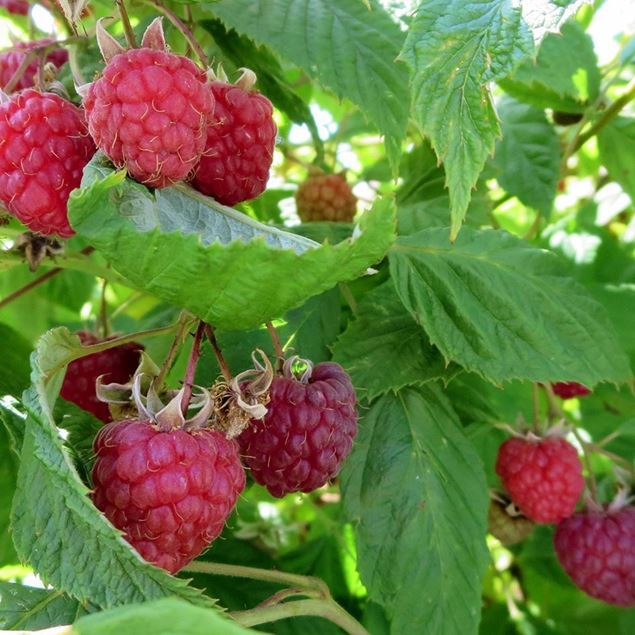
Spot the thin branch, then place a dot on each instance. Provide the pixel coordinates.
(328, 609)
(103, 309)
(611, 112)
(265, 575)
(277, 344)
(183, 28)
(192, 362)
(182, 326)
(38, 281)
(211, 336)
(127, 27)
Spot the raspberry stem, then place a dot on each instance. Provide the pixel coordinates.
(127, 27)
(182, 327)
(277, 344)
(328, 609)
(183, 28)
(271, 609)
(211, 336)
(265, 575)
(38, 281)
(103, 310)
(188, 382)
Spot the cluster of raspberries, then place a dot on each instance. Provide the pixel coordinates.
(595, 546)
(152, 112)
(170, 492)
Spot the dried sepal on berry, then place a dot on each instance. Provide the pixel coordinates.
(308, 430)
(243, 398)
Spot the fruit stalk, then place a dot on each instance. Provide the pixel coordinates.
(277, 344)
(188, 382)
(38, 281)
(127, 27)
(182, 326)
(328, 609)
(612, 111)
(211, 336)
(183, 28)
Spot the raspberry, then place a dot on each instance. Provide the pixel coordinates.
(10, 62)
(570, 389)
(148, 113)
(543, 477)
(19, 7)
(507, 528)
(116, 364)
(44, 146)
(169, 492)
(597, 550)
(240, 140)
(307, 433)
(326, 197)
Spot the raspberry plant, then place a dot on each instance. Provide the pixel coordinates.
(317, 317)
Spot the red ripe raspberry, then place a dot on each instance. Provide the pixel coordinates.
(44, 146)
(169, 492)
(10, 62)
(19, 7)
(326, 197)
(570, 389)
(543, 477)
(116, 364)
(148, 112)
(240, 140)
(597, 550)
(307, 433)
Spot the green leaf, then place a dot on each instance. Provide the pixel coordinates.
(14, 370)
(528, 155)
(505, 310)
(564, 76)
(24, 608)
(415, 491)
(423, 200)
(617, 148)
(454, 49)
(244, 53)
(8, 476)
(228, 274)
(52, 504)
(343, 45)
(161, 617)
(384, 349)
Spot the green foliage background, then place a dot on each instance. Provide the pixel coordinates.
(493, 248)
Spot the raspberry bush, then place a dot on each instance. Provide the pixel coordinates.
(316, 317)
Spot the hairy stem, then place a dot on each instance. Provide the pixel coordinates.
(182, 326)
(328, 609)
(265, 575)
(188, 381)
(127, 27)
(183, 28)
(277, 344)
(224, 368)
